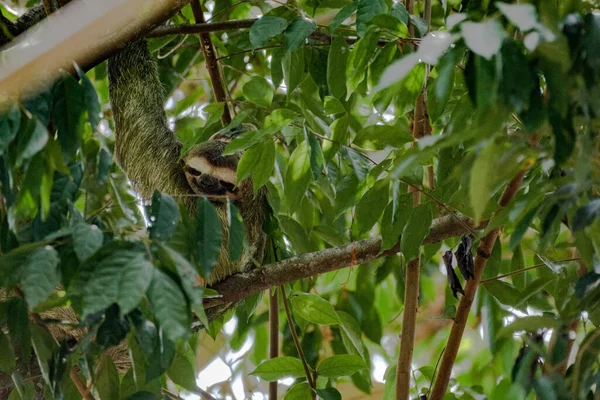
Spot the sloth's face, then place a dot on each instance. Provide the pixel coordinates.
(209, 172)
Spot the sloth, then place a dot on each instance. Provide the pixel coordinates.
(149, 153)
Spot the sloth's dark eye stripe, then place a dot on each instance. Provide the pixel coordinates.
(229, 186)
(192, 171)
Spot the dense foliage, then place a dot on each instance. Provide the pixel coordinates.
(332, 87)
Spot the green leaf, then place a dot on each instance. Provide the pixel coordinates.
(32, 139)
(586, 214)
(339, 136)
(258, 161)
(391, 24)
(182, 373)
(484, 39)
(69, 108)
(87, 239)
(528, 324)
(314, 308)
(358, 60)
(259, 91)
(392, 225)
(415, 230)
(116, 275)
(379, 137)
(504, 292)
(279, 367)
(442, 86)
(296, 233)
(9, 127)
(523, 16)
(264, 29)
(236, 234)
(170, 306)
(336, 67)
(371, 205)
(293, 70)
(329, 394)
(366, 10)
(340, 365)
(517, 263)
(522, 227)
(91, 99)
(353, 334)
(342, 15)
(298, 175)
(107, 380)
(317, 161)
(483, 174)
(298, 30)
(164, 216)
(397, 71)
(300, 391)
(8, 361)
(40, 275)
(208, 236)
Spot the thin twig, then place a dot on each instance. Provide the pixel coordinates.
(524, 269)
(286, 305)
(212, 65)
(83, 390)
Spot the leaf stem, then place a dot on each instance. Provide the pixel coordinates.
(286, 305)
(518, 271)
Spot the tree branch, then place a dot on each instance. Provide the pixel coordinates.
(212, 65)
(486, 245)
(239, 286)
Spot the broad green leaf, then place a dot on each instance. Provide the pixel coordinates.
(504, 292)
(87, 239)
(371, 205)
(264, 29)
(517, 263)
(483, 174)
(298, 175)
(91, 99)
(169, 305)
(340, 365)
(279, 367)
(524, 16)
(391, 24)
(379, 137)
(339, 136)
(293, 70)
(116, 275)
(336, 67)
(208, 236)
(366, 10)
(484, 39)
(442, 86)
(586, 214)
(392, 225)
(40, 275)
(397, 71)
(300, 391)
(107, 380)
(258, 161)
(415, 230)
(329, 393)
(236, 234)
(529, 324)
(9, 127)
(314, 308)
(69, 108)
(317, 161)
(7, 357)
(297, 31)
(358, 60)
(259, 91)
(31, 140)
(182, 372)
(164, 216)
(342, 15)
(522, 227)
(296, 233)
(351, 329)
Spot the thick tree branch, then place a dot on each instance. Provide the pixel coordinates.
(239, 286)
(486, 245)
